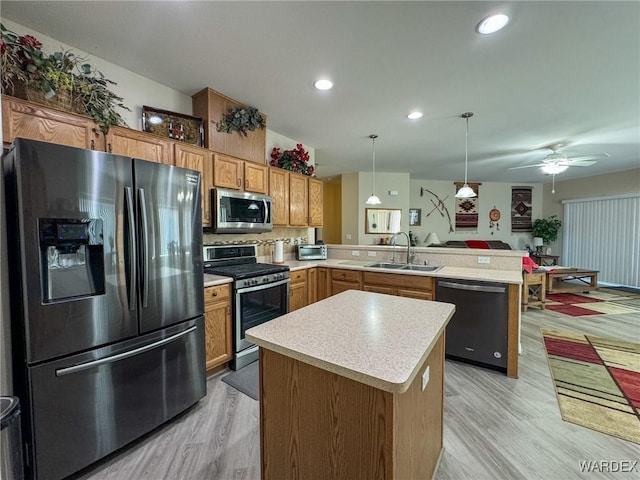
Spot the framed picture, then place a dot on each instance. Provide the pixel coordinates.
(175, 126)
(414, 217)
(382, 220)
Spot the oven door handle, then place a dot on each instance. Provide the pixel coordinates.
(263, 286)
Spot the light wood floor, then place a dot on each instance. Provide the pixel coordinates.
(495, 427)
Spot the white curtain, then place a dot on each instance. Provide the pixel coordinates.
(604, 234)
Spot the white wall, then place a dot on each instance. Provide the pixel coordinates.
(385, 183)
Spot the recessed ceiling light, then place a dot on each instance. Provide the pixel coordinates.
(492, 24)
(323, 84)
(414, 115)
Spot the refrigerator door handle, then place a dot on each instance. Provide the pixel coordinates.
(144, 246)
(133, 279)
(120, 356)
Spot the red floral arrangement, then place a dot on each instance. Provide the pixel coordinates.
(294, 160)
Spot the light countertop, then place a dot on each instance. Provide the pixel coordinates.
(379, 340)
(213, 280)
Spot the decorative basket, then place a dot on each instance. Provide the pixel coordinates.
(62, 100)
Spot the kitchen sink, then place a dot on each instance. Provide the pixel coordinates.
(421, 268)
(403, 266)
(396, 266)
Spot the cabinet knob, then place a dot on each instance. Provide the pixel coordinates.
(93, 145)
(110, 149)
(214, 294)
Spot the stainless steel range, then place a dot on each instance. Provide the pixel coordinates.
(261, 293)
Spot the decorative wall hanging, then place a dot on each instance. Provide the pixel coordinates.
(521, 209)
(494, 216)
(467, 209)
(438, 205)
(175, 126)
(414, 217)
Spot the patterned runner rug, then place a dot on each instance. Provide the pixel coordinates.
(597, 382)
(598, 302)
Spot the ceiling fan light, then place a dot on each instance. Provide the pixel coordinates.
(554, 169)
(465, 192)
(373, 200)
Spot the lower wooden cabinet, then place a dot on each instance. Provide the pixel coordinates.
(413, 286)
(342, 280)
(322, 283)
(217, 325)
(298, 290)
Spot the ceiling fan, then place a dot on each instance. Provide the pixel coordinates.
(555, 162)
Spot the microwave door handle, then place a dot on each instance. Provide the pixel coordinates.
(266, 211)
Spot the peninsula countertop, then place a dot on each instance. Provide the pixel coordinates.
(379, 340)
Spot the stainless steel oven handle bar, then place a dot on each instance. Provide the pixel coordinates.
(120, 356)
(263, 286)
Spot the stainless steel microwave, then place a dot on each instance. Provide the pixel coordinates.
(311, 252)
(241, 212)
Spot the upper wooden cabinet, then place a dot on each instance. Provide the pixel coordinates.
(29, 120)
(279, 191)
(211, 106)
(305, 201)
(134, 144)
(200, 159)
(230, 172)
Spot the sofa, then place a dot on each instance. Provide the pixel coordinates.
(481, 244)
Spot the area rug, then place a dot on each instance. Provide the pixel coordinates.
(597, 302)
(245, 380)
(597, 382)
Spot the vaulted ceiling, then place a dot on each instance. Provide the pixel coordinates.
(564, 73)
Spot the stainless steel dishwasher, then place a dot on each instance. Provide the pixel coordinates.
(478, 331)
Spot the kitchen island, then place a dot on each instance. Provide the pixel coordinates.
(352, 387)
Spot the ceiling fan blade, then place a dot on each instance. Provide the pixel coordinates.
(527, 166)
(597, 156)
(580, 163)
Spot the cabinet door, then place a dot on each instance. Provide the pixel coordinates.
(338, 286)
(217, 325)
(323, 284)
(297, 296)
(29, 120)
(256, 177)
(316, 189)
(200, 159)
(379, 289)
(298, 200)
(130, 143)
(420, 294)
(227, 172)
(312, 286)
(279, 191)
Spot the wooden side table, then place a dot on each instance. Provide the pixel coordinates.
(545, 260)
(534, 290)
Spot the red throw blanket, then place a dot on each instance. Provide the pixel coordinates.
(477, 244)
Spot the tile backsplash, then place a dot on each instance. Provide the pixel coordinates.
(264, 241)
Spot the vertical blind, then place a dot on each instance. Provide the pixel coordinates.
(604, 234)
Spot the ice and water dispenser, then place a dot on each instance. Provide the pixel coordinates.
(71, 258)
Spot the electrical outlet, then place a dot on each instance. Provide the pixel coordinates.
(425, 378)
(484, 259)
(371, 254)
(355, 253)
(348, 236)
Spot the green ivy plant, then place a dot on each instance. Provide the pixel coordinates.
(547, 228)
(241, 119)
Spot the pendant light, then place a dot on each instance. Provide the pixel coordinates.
(373, 199)
(466, 191)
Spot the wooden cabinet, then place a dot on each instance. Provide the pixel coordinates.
(217, 325)
(21, 118)
(236, 174)
(298, 290)
(200, 159)
(316, 189)
(312, 286)
(323, 286)
(279, 191)
(342, 280)
(134, 144)
(413, 286)
(298, 200)
(211, 106)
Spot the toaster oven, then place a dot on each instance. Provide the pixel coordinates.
(311, 252)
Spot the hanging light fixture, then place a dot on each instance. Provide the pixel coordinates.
(466, 191)
(373, 199)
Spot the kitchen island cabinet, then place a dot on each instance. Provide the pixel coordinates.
(352, 387)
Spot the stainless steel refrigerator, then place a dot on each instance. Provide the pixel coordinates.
(107, 301)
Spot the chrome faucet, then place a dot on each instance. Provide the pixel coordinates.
(410, 254)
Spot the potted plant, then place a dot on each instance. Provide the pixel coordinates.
(294, 160)
(547, 229)
(241, 119)
(61, 80)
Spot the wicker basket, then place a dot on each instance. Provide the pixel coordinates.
(62, 100)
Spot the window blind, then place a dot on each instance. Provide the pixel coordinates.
(604, 234)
